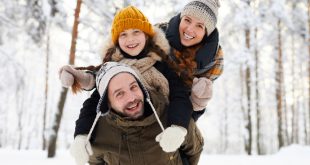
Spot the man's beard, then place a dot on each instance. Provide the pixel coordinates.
(127, 117)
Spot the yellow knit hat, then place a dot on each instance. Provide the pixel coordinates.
(130, 18)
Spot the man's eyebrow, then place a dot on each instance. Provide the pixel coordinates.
(117, 90)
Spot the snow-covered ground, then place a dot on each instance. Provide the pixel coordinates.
(293, 155)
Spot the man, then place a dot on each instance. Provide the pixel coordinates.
(128, 124)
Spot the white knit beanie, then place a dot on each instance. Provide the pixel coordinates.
(205, 10)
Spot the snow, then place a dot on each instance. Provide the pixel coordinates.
(293, 154)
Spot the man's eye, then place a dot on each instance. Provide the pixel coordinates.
(119, 94)
(134, 87)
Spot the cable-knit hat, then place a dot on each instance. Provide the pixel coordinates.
(107, 71)
(205, 10)
(130, 18)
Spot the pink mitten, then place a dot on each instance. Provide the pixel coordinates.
(201, 93)
(67, 75)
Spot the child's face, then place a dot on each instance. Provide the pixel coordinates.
(192, 30)
(132, 41)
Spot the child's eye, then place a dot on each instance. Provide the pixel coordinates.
(122, 34)
(137, 32)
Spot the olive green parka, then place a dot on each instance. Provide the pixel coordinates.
(132, 142)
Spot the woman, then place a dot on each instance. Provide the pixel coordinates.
(196, 53)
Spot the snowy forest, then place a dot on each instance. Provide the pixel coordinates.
(260, 103)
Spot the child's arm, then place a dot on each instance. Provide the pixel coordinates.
(180, 106)
(80, 149)
(179, 110)
(87, 114)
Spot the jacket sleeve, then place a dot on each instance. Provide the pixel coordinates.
(180, 107)
(193, 145)
(87, 114)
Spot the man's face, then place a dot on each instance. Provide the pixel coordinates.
(125, 96)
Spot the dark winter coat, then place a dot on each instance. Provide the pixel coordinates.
(209, 57)
(120, 141)
(180, 107)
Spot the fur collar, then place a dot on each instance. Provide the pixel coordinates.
(159, 39)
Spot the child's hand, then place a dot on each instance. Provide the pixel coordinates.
(201, 93)
(67, 75)
(80, 149)
(171, 138)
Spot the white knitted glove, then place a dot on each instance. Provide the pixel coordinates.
(171, 138)
(201, 93)
(67, 75)
(80, 149)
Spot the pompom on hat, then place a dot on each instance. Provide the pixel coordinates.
(130, 18)
(205, 10)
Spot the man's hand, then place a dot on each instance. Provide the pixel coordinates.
(80, 149)
(67, 75)
(171, 138)
(201, 93)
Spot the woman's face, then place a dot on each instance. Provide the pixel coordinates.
(132, 41)
(192, 30)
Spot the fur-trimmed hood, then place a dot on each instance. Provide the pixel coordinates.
(159, 39)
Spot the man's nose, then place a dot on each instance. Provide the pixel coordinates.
(131, 97)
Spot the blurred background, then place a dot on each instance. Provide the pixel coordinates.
(260, 103)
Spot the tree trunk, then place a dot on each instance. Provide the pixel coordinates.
(257, 99)
(308, 127)
(248, 95)
(243, 108)
(37, 33)
(54, 9)
(63, 95)
(294, 136)
(279, 88)
(46, 90)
